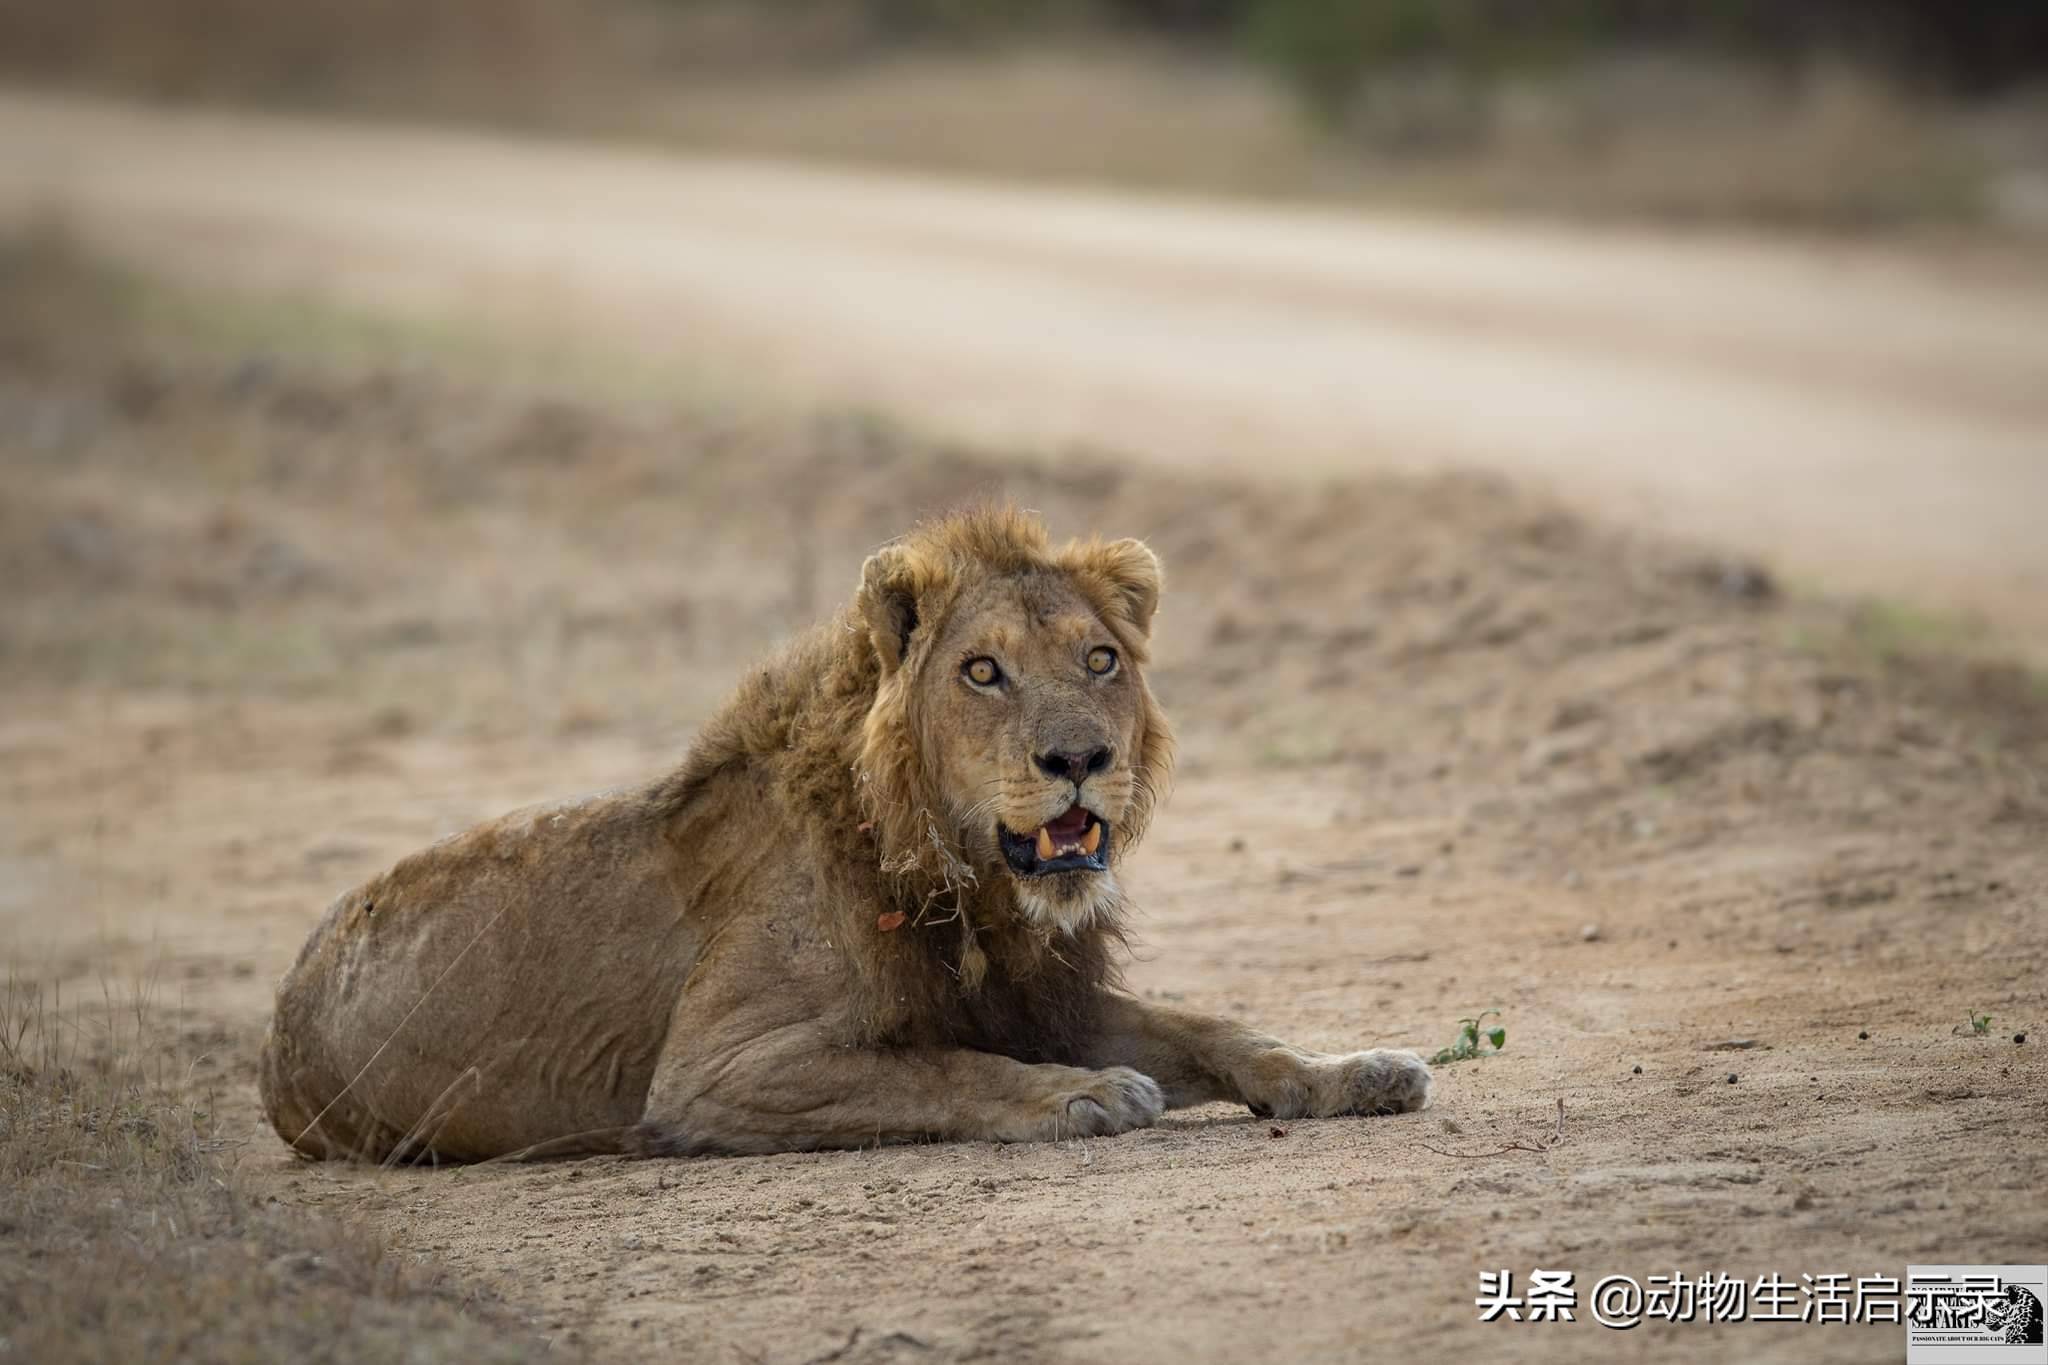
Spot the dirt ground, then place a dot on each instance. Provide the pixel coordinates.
(1736, 868)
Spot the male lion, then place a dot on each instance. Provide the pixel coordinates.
(877, 902)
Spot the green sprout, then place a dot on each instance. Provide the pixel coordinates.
(1474, 1041)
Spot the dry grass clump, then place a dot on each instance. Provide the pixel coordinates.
(125, 1233)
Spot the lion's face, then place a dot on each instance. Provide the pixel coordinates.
(1038, 746)
(1032, 714)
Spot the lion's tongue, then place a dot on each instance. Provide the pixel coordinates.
(1070, 825)
(1066, 834)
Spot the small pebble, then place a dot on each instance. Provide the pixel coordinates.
(2019, 1037)
(1639, 1071)
(1731, 1078)
(1864, 1035)
(1590, 933)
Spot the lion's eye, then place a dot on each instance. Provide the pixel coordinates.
(983, 672)
(1101, 661)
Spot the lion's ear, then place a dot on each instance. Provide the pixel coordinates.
(1131, 571)
(888, 604)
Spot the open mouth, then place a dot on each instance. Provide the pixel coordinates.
(1077, 841)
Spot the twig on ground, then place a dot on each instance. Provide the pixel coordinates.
(1498, 1151)
(1518, 1145)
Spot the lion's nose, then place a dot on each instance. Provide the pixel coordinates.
(1076, 767)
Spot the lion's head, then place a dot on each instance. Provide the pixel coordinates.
(1012, 743)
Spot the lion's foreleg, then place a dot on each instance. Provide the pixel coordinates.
(795, 1090)
(1198, 1058)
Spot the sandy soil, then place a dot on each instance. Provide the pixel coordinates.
(1734, 875)
(1869, 418)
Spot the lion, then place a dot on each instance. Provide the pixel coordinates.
(881, 900)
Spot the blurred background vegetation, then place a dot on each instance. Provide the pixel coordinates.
(1828, 113)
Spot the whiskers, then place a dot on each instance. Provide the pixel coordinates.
(969, 818)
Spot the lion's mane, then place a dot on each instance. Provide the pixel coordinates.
(851, 752)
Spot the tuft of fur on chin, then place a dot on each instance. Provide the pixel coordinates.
(1096, 901)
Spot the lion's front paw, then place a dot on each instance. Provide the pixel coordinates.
(1113, 1101)
(1377, 1082)
(1313, 1086)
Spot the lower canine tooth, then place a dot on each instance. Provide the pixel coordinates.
(1044, 844)
(1092, 840)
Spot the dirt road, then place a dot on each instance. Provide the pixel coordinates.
(1869, 418)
